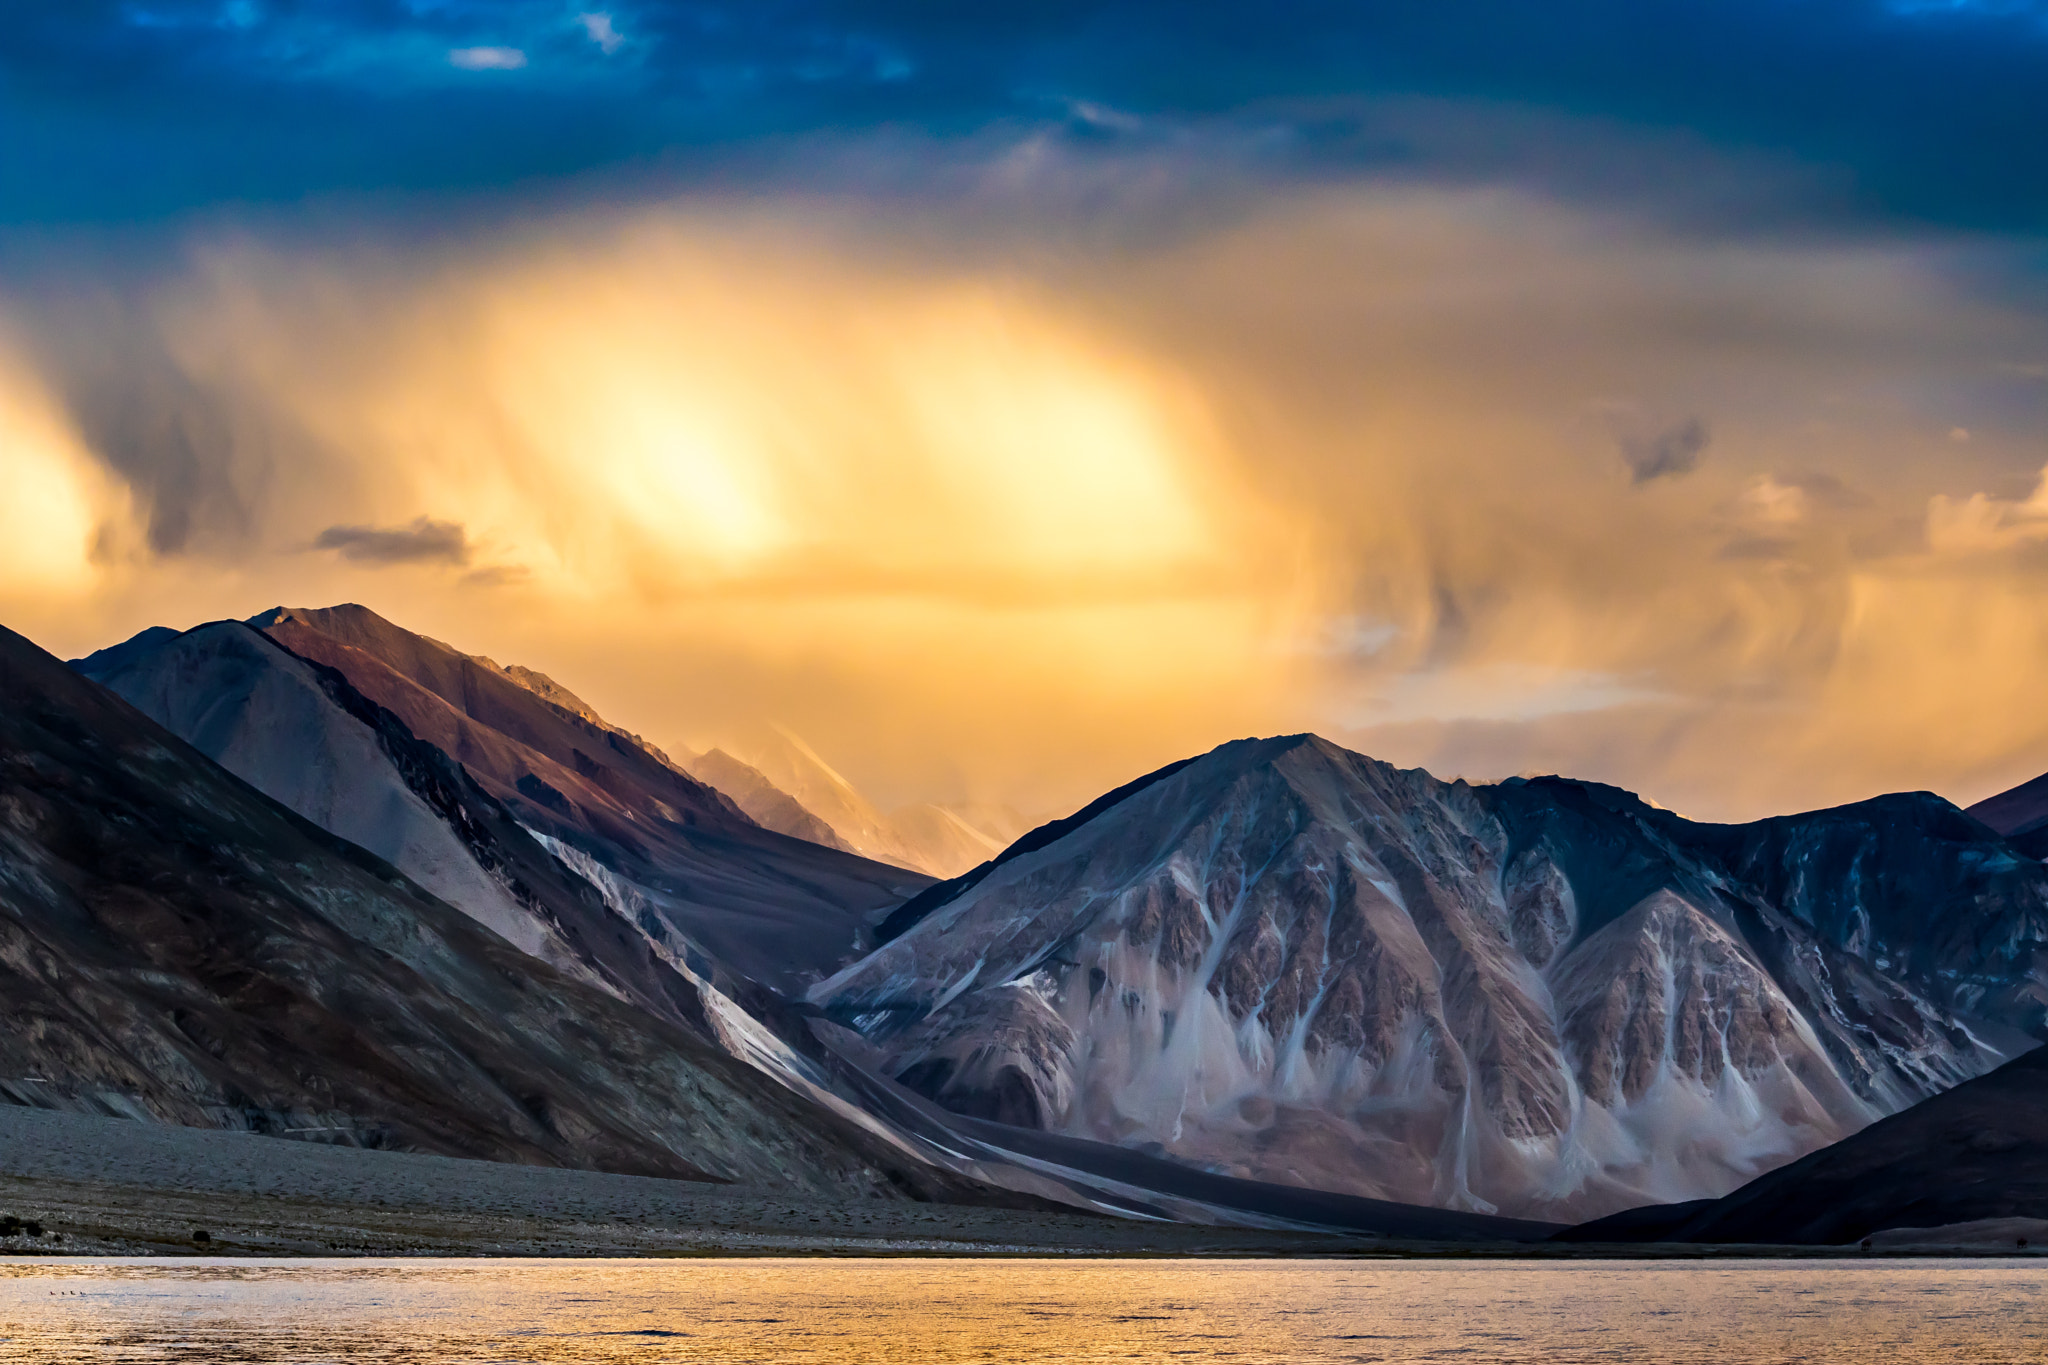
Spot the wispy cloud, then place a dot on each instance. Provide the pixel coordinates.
(1664, 454)
(1982, 522)
(486, 58)
(602, 32)
(422, 540)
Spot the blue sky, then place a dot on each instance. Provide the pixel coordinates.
(1913, 114)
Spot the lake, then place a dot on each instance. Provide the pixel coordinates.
(848, 1312)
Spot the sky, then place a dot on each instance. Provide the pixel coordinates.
(1011, 399)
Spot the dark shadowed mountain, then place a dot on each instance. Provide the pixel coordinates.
(175, 945)
(1904, 883)
(2020, 815)
(1976, 1154)
(1288, 962)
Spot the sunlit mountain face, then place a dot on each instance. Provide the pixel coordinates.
(1011, 403)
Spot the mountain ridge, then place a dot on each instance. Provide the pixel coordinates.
(281, 723)
(1285, 960)
(761, 903)
(179, 947)
(1279, 961)
(2020, 814)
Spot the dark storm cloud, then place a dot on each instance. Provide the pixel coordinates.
(1675, 450)
(420, 541)
(1908, 112)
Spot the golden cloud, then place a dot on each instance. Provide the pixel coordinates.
(1012, 522)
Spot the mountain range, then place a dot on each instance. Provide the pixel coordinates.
(1541, 997)
(640, 892)
(1279, 966)
(177, 947)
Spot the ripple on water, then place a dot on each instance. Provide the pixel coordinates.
(937, 1312)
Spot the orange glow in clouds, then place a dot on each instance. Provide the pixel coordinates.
(975, 529)
(59, 508)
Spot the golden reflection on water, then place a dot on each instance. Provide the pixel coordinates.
(936, 1312)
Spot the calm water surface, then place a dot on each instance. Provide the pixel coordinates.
(852, 1312)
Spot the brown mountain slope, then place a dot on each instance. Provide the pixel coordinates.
(491, 724)
(763, 904)
(298, 733)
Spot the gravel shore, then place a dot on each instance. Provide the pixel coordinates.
(111, 1186)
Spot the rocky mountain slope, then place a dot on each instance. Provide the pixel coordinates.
(1904, 884)
(301, 735)
(1279, 965)
(664, 845)
(302, 729)
(176, 946)
(1974, 1156)
(1286, 961)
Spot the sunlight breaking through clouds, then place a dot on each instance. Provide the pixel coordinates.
(973, 522)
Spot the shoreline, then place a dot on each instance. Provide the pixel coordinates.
(97, 1221)
(117, 1187)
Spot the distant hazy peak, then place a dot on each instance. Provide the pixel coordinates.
(767, 804)
(999, 820)
(793, 766)
(779, 779)
(796, 741)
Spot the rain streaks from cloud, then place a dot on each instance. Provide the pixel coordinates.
(973, 517)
